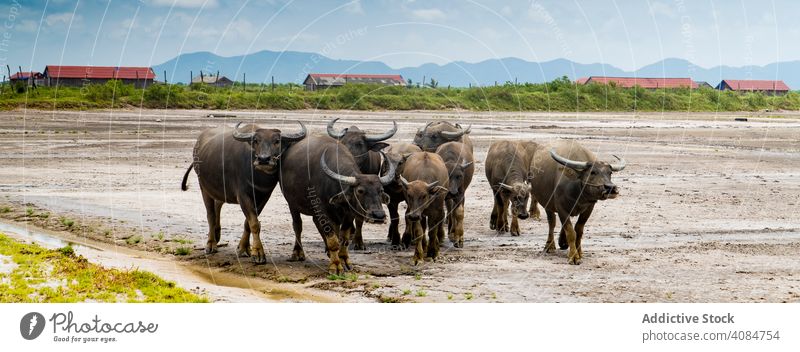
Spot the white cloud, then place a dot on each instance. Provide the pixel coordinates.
(428, 14)
(658, 8)
(354, 7)
(61, 19)
(27, 26)
(506, 11)
(187, 4)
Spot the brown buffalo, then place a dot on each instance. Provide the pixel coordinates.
(437, 133)
(530, 149)
(508, 176)
(321, 178)
(239, 166)
(398, 153)
(424, 181)
(459, 163)
(568, 180)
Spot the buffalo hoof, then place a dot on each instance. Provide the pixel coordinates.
(417, 260)
(297, 256)
(575, 259)
(243, 252)
(211, 250)
(359, 246)
(259, 259)
(562, 243)
(335, 269)
(458, 244)
(549, 247)
(492, 226)
(535, 215)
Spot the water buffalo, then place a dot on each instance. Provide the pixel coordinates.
(320, 178)
(508, 176)
(398, 153)
(530, 149)
(365, 149)
(459, 163)
(568, 180)
(239, 166)
(424, 181)
(437, 133)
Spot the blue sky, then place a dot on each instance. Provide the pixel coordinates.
(627, 34)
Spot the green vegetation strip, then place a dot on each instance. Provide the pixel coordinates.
(35, 274)
(558, 95)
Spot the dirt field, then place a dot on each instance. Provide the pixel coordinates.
(708, 210)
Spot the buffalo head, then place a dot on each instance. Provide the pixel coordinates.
(363, 193)
(437, 133)
(267, 144)
(457, 177)
(359, 142)
(418, 195)
(595, 177)
(518, 194)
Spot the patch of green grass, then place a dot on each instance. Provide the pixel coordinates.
(421, 293)
(182, 251)
(5, 209)
(468, 295)
(59, 276)
(67, 222)
(406, 292)
(349, 277)
(417, 276)
(44, 215)
(159, 236)
(29, 211)
(107, 233)
(376, 286)
(133, 240)
(389, 299)
(181, 240)
(449, 296)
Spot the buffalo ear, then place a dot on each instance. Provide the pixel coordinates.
(378, 146)
(384, 198)
(338, 198)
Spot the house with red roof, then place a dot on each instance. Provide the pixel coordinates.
(32, 78)
(316, 81)
(77, 76)
(643, 82)
(762, 86)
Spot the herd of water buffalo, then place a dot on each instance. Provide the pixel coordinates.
(343, 179)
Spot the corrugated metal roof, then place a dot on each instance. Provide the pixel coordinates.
(335, 79)
(211, 79)
(645, 82)
(100, 72)
(24, 75)
(582, 80)
(760, 85)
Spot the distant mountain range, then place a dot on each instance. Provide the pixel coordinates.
(292, 66)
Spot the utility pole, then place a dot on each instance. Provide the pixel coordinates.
(273, 83)
(165, 77)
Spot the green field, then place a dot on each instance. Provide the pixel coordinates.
(558, 95)
(31, 273)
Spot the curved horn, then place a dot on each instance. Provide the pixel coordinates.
(466, 164)
(506, 186)
(572, 164)
(294, 137)
(403, 180)
(424, 129)
(384, 136)
(618, 166)
(432, 184)
(348, 180)
(332, 131)
(454, 135)
(389, 177)
(242, 137)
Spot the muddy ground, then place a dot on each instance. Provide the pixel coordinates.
(708, 211)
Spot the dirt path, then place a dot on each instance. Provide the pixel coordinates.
(707, 211)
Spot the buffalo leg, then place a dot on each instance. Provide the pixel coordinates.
(358, 240)
(213, 223)
(514, 222)
(244, 242)
(534, 208)
(562, 240)
(572, 256)
(408, 232)
(502, 215)
(415, 231)
(579, 229)
(435, 227)
(344, 239)
(330, 232)
(458, 226)
(550, 246)
(251, 213)
(495, 212)
(297, 225)
(394, 223)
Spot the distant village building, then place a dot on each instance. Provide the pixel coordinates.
(77, 76)
(644, 82)
(31, 78)
(582, 80)
(222, 81)
(316, 81)
(703, 84)
(762, 86)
